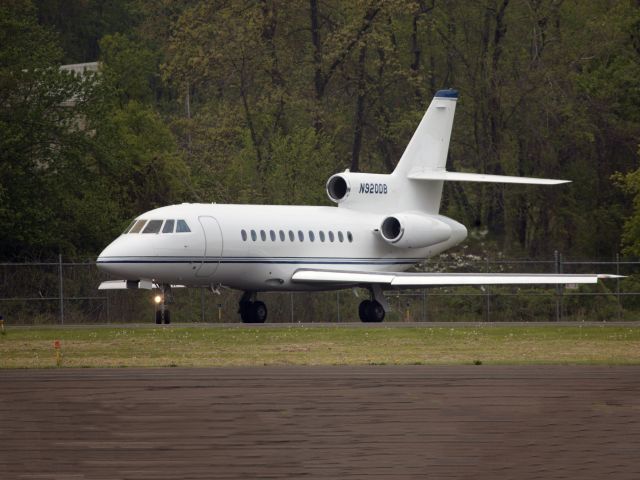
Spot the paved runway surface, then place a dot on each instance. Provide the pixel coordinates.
(304, 422)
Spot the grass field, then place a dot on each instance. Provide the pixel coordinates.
(202, 346)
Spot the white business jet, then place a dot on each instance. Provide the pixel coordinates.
(383, 225)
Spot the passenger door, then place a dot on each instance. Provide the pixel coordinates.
(212, 246)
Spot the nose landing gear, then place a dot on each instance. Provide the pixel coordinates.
(163, 316)
(252, 310)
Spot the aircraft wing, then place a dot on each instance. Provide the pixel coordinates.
(419, 280)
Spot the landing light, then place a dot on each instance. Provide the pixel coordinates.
(157, 298)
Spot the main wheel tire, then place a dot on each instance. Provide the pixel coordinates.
(363, 310)
(371, 311)
(259, 312)
(245, 312)
(160, 319)
(376, 312)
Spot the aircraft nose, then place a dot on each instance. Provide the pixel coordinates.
(110, 258)
(101, 261)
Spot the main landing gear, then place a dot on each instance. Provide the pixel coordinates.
(373, 311)
(252, 310)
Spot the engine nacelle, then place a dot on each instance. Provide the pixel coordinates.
(338, 187)
(414, 230)
(364, 191)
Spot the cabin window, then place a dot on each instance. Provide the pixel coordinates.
(272, 235)
(254, 237)
(153, 226)
(282, 237)
(349, 237)
(182, 227)
(321, 235)
(312, 237)
(168, 226)
(263, 235)
(331, 236)
(300, 236)
(340, 237)
(126, 230)
(138, 226)
(243, 234)
(292, 237)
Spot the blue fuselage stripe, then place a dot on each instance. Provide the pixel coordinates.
(269, 260)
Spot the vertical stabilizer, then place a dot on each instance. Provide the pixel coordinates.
(429, 145)
(427, 152)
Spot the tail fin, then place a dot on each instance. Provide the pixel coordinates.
(428, 148)
(421, 169)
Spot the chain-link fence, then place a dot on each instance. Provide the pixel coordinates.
(66, 293)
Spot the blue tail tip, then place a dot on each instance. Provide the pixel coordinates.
(448, 93)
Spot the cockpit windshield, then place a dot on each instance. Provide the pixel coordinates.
(126, 230)
(168, 226)
(182, 227)
(153, 226)
(138, 226)
(158, 226)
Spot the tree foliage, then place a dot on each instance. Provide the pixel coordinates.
(76, 161)
(261, 101)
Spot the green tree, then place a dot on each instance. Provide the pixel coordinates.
(137, 154)
(82, 23)
(40, 107)
(76, 162)
(129, 67)
(253, 102)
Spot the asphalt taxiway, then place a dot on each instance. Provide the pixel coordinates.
(321, 422)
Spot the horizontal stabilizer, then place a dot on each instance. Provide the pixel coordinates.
(416, 280)
(479, 177)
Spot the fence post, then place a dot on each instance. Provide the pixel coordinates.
(488, 291)
(291, 307)
(108, 312)
(618, 286)
(556, 261)
(561, 288)
(202, 304)
(424, 304)
(61, 289)
(338, 303)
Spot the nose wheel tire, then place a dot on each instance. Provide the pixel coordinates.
(253, 312)
(163, 317)
(371, 311)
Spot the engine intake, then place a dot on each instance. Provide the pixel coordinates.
(338, 188)
(413, 230)
(391, 229)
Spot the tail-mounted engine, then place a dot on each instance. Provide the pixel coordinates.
(338, 187)
(414, 230)
(361, 191)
